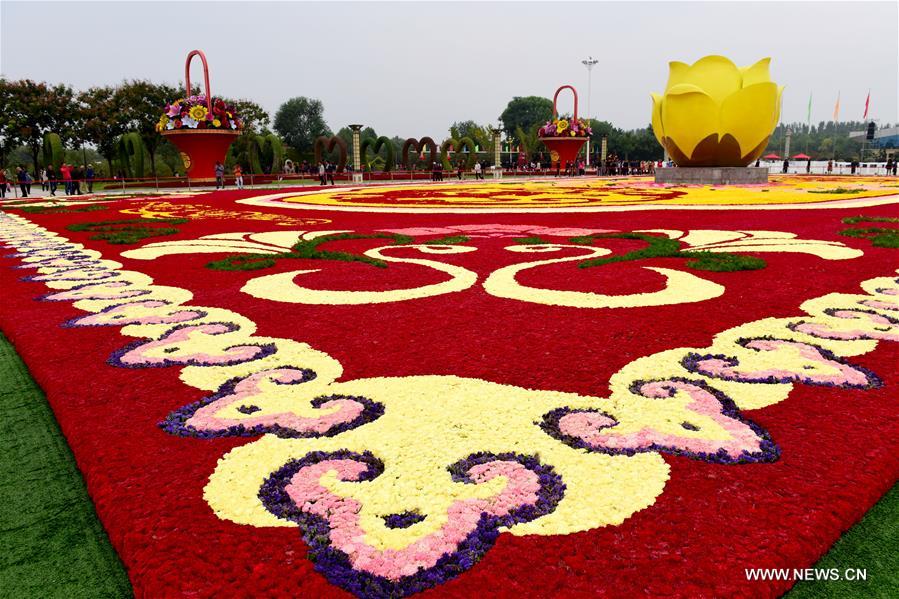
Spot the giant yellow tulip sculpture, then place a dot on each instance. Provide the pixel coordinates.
(714, 113)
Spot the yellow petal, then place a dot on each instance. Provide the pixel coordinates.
(684, 88)
(677, 73)
(750, 115)
(716, 75)
(689, 117)
(757, 73)
(657, 117)
(780, 93)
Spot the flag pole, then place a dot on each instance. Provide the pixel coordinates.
(836, 118)
(808, 119)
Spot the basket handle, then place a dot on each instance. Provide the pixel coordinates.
(556, 99)
(206, 78)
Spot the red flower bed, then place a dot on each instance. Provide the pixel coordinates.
(795, 471)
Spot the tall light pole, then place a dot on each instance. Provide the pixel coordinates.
(589, 62)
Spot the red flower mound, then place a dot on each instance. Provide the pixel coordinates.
(457, 404)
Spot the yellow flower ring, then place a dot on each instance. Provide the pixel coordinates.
(587, 195)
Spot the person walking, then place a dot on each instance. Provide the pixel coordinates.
(460, 168)
(51, 180)
(21, 177)
(330, 170)
(45, 181)
(477, 171)
(3, 183)
(829, 167)
(77, 175)
(89, 175)
(808, 167)
(219, 175)
(785, 166)
(238, 176)
(321, 173)
(66, 171)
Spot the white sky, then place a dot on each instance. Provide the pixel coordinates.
(413, 68)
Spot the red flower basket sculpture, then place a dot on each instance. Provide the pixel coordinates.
(204, 141)
(564, 139)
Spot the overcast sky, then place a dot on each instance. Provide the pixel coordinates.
(413, 68)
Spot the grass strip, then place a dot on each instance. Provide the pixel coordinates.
(53, 544)
(871, 545)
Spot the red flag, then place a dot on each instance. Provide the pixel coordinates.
(867, 102)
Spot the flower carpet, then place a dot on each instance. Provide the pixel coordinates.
(507, 389)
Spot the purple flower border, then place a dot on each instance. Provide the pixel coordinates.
(769, 451)
(46, 297)
(691, 364)
(41, 278)
(73, 322)
(832, 311)
(116, 358)
(335, 565)
(176, 422)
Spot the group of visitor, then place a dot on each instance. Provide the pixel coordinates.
(237, 171)
(615, 166)
(75, 179)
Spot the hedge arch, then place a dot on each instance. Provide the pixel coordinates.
(327, 144)
(53, 151)
(419, 145)
(456, 145)
(376, 145)
(258, 146)
(131, 146)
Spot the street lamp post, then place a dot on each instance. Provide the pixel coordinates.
(589, 62)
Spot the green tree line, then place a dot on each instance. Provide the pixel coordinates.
(91, 125)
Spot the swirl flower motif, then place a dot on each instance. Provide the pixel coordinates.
(714, 113)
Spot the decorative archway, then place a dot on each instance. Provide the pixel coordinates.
(456, 145)
(327, 144)
(258, 146)
(419, 146)
(376, 145)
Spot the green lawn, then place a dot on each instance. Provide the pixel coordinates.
(51, 542)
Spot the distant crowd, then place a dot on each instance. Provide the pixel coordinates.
(74, 179)
(77, 180)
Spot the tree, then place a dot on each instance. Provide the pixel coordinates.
(142, 103)
(103, 120)
(468, 129)
(529, 140)
(525, 112)
(254, 117)
(9, 133)
(299, 121)
(31, 110)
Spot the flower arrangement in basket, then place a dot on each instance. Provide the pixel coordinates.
(201, 126)
(193, 112)
(563, 137)
(563, 127)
